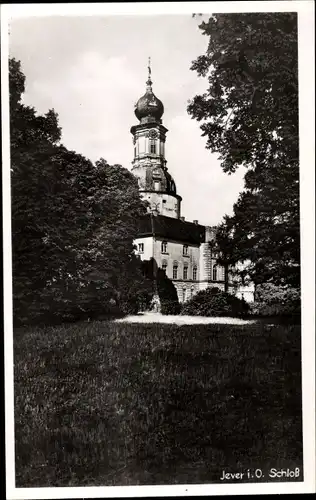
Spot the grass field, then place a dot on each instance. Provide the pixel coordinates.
(109, 403)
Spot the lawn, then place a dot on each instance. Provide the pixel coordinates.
(108, 403)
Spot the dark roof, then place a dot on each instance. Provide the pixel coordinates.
(171, 229)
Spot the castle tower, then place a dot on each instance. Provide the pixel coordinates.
(149, 165)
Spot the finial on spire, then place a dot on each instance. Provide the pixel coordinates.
(149, 81)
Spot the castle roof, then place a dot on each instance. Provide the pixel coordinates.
(171, 229)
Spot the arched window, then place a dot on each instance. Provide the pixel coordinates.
(175, 271)
(163, 247)
(185, 272)
(215, 273)
(157, 186)
(194, 273)
(164, 266)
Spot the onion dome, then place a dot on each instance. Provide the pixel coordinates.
(149, 108)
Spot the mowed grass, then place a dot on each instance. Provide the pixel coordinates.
(129, 404)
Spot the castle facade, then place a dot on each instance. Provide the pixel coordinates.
(186, 251)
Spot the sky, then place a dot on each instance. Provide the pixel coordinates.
(92, 70)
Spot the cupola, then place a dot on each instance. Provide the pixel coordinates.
(149, 108)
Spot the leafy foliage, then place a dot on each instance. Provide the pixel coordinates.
(249, 115)
(214, 302)
(272, 300)
(163, 287)
(73, 224)
(168, 294)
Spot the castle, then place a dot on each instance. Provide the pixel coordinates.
(186, 251)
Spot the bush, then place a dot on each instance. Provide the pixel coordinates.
(168, 296)
(272, 300)
(214, 302)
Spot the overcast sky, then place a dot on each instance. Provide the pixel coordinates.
(92, 70)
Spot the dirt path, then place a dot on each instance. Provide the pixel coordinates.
(182, 320)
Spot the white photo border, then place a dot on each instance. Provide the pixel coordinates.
(305, 10)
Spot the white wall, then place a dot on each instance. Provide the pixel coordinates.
(174, 254)
(166, 204)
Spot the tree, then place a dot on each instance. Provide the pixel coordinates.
(73, 223)
(249, 115)
(162, 286)
(282, 301)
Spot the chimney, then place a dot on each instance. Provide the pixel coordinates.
(182, 218)
(195, 221)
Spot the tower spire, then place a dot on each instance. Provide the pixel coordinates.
(149, 81)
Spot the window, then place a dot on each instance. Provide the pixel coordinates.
(185, 272)
(214, 273)
(135, 151)
(192, 292)
(153, 147)
(194, 273)
(184, 294)
(175, 271)
(164, 266)
(163, 247)
(185, 249)
(157, 186)
(141, 247)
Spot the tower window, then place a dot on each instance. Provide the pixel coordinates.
(141, 247)
(194, 273)
(163, 247)
(214, 273)
(153, 147)
(175, 271)
(185, 272)
(185, 249)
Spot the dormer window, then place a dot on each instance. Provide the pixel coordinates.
(157, 185)
(185, 250)
(163, 247)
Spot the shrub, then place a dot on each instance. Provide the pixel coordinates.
(168, 297)
(214, 302)
(272, 300)
(167, 294)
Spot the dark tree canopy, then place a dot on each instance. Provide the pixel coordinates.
(249, 115)
(73, 223)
